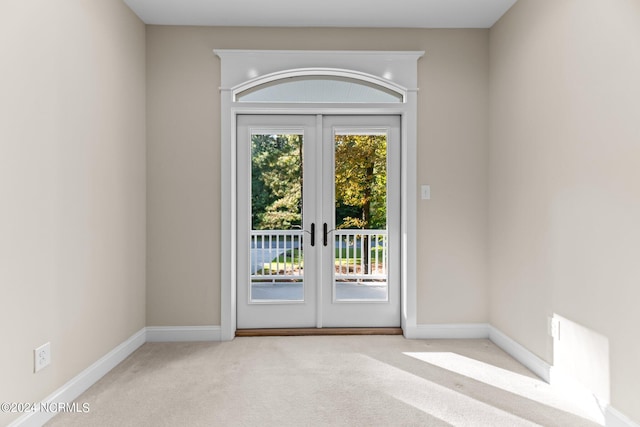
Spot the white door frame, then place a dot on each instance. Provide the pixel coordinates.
(241, 69)
(320, 304)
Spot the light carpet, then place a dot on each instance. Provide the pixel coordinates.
(324, 380)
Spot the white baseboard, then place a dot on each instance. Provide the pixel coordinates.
(81, 382)
(615, 418)
(612, 417)
(183, 333)
(85, 379)
(481, 330)
(521, 354)
(448, 331)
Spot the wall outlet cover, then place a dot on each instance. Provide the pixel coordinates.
(41, 357)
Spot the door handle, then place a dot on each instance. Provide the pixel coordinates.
(325, 234)
(313, 234)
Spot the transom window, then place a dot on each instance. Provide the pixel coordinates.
(319, 89)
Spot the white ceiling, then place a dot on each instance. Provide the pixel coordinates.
(323, 13)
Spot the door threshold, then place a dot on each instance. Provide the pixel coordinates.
(291, 332)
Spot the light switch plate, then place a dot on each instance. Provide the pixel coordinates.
(426, 192)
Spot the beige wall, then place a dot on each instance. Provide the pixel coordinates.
(72, 188)
(546, 208)
(565, 180)
(183, 76)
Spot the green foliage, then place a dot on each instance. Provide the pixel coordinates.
(361, 181)
(276, 181)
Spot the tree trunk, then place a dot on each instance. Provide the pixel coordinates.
(366, 220)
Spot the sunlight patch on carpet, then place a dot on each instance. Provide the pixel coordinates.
(512, 382)
(450, 406)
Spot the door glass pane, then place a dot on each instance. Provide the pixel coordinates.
(360, 236)
(277, 265)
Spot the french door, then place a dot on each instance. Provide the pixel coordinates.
(318, 221)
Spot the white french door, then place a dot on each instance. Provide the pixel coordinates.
(318, 221)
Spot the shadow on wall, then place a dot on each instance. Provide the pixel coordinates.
(581, 361)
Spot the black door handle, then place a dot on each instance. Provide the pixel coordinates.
(313, 234)
(325, 234)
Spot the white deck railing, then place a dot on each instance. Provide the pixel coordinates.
(276, 255)
(349, 260)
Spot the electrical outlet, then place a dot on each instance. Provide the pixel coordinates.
(41, 357)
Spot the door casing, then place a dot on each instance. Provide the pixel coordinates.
(239, 69)
(319, 307)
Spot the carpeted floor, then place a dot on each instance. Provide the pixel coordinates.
(329, 380)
